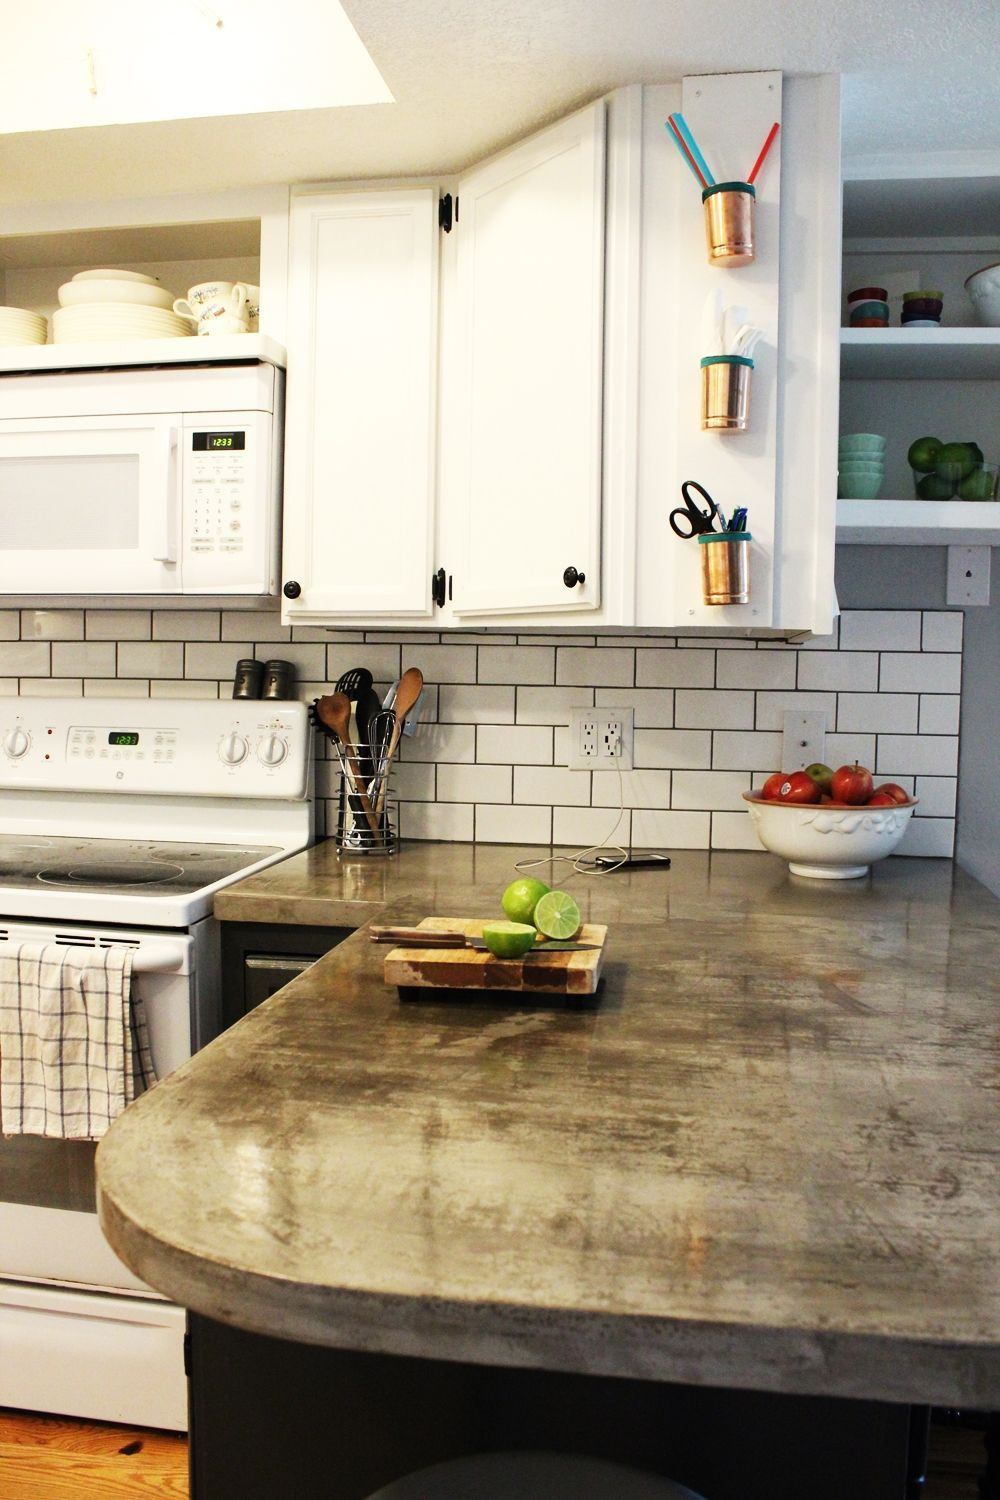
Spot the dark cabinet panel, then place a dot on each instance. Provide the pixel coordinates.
(258, 959)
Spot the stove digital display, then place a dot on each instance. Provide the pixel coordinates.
(214, 442)
(122, 737)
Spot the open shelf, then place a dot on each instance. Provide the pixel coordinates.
(224, 349)
(919, 523)
(920, 353)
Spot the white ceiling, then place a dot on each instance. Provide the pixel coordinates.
(470, 75)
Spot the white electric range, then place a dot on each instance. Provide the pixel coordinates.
(119, 820)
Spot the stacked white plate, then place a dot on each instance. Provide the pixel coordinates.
(19, 326)
(110, 305)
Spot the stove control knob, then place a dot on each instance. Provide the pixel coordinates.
(271, 750)
(16, 743)
(232, 749)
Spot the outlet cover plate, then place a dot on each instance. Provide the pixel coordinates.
(803, 740)
(590, 724)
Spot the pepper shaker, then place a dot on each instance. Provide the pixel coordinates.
(278, 679)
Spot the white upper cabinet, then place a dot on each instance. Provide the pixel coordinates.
(361, 402)
(522, 432)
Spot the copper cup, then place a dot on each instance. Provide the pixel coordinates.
(725, 392)
(725, 567)
(729, 211)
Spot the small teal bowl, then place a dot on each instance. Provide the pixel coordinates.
(864, 469)
(869, 310)
(861, 442)
(859, 487)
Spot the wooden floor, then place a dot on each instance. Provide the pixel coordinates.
(59, 1458)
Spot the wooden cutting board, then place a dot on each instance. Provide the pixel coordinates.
(471, 969)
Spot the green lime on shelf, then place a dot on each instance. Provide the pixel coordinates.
(955, 461)
(933, 487)
(923, 454)
(979, 485)
(557, 915)
(509, 939)
(521, 897)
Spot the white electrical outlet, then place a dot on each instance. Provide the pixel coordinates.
(803, 740)
(600, 739)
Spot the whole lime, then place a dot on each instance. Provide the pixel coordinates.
(923, 453)
(979, 485)
(933, 487)
(976, 452)
(521, 897)
(954, 461)
(509, 939)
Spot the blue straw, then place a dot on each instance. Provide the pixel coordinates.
(683, 153)
(682, 126)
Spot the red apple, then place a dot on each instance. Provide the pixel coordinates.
(798, 787)
(852, 784)
(895, 791)
(881, 799)
(772, 786)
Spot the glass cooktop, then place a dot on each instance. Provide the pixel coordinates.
(136, 866)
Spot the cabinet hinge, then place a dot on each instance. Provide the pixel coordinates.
(437, 587)
(445, 207)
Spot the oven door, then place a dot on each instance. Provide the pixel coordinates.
(48, 1223)
(89, 505)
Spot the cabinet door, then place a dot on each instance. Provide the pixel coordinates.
(524, 414)
(359, 465)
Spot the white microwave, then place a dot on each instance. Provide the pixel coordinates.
(135, 482)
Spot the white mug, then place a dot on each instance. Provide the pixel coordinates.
(225, 323)
(253, 306)
(212, 299)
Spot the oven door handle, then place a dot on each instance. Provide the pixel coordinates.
(158, 958)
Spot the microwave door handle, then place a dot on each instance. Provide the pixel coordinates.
(165, 519)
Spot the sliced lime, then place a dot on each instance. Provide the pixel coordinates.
(508, 939)
(557, 915)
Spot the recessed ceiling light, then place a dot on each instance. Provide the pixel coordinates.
(118, 62)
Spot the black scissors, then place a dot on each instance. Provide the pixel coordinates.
(698, 521)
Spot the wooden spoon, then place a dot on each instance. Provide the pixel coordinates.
(335, 712)
(410, 686)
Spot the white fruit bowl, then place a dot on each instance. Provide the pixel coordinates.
(828, 843)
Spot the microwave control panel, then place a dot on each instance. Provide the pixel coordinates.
(229, 485)
(220, 476)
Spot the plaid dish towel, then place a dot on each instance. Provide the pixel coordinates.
(74, 1049)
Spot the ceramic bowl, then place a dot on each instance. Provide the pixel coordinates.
(868, 294)
(860, 486)
(983, 288)
(828, 843)
(861, 442)
(869, 310)
(854, 468)
(109, 273)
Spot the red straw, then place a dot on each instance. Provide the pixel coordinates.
(683, 145)
(763, 151)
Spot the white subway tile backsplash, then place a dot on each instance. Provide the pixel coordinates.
(917, 755)
(939, 713)
(192, 624)
(633, 789)
(653, 708)
(149, 659)
(474, 783)
(735, 749)
(880, 630)
(488, 760)
(852, 671)
(473, 704)
(655, 829)
(920, 672)
(942, 630)
(771, 708)
(551, 784)
(25, 658)
(878, 713)
(663, 669)
(582, 827)
(590, 667)
(86, 659)
(709, 789)
(527, 664)
(516, 745)
(546, 705)
(49, 625)
(690, 749)
(450, 822)
(513, 825)
(937, 795)
(764, 669)
(707, 709)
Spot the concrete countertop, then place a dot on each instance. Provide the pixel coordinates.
(765, 1157)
